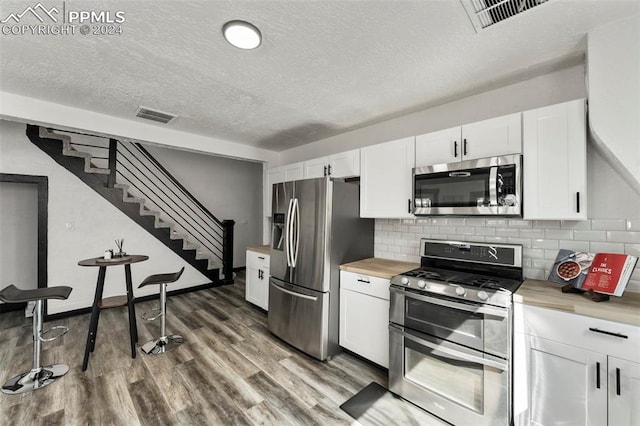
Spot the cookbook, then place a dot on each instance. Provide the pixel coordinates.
(606, 273)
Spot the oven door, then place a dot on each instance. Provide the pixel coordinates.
(484, 328)
(453, 382)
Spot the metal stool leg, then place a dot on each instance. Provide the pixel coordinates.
(164, 343)
(39, 376)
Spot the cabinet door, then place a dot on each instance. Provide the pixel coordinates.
(316, 168)
(563, 385)
(624, 392)
(345, 164)
(275, 175)
(293, 172)
(364, 326)
(444, 146)
(386, 179)
(493, 137)
(555, 159)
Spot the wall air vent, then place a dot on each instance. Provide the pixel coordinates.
(485, 13)
(151, 114)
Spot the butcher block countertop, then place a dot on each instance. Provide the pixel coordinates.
(378, 267)
(546, 294)
(259, 249)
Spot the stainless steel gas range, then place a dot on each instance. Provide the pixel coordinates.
(450, 331)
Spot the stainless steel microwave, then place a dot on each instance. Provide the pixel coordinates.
(485, 187)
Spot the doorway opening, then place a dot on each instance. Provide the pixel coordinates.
(18, 202)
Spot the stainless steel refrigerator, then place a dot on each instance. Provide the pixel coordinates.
(316, 227)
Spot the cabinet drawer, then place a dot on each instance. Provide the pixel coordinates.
(365, 284)
(257, 260)
(594, 334)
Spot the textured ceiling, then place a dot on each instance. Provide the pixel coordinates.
(324, 67)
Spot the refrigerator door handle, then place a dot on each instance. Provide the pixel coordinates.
(289, 233)
(292, 293)
(296, 227)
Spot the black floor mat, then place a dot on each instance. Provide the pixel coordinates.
(375, 405)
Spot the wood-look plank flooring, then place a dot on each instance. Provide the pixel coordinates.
(229, 371)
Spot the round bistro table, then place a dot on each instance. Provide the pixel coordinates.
(110, 302)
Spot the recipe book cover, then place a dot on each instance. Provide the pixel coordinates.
(606, 273)
(609, 273)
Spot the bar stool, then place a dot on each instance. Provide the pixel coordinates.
(39, 376)
(164, 343)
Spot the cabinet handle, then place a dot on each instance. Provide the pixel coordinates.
(608, 333)
(259, 274)
(329, 170)
(363, 281)
(455, 149)
(577, 202)
(261, 257)
(409, 205)
(597, 375)
(325, 171)
(464, 147)
(618, 381)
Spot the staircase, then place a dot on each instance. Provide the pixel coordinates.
(130, 178)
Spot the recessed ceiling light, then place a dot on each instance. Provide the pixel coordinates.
(242, 34)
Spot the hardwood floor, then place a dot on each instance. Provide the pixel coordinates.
(229, 371)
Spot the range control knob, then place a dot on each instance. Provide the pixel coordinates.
(482, 295)
(422, 284)
(404, 280)
(460, 291)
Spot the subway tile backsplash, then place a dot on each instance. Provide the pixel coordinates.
(399, 238)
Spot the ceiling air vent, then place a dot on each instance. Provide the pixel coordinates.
(485, 13)
(151, 114)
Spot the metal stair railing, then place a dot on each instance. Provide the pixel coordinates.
(131, 163)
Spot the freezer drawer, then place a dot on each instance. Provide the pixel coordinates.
(300, 317)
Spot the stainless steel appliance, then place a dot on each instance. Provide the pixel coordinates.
(316, 227)
(450, 331)
(487, 186)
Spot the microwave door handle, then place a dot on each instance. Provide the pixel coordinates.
(459, 306)
(493, 186)
(445, 352)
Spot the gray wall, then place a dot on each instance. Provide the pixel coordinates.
(19, 235)
(229, 188)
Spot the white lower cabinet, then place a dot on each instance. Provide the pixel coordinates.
(257, 279)
(364, 316)
(574, 370)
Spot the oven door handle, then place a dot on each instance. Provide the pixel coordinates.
(496, 312)
(449, 353)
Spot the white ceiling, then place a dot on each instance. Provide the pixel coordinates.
(325, 67)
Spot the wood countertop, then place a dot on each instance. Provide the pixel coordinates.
(378, 267)
(547, 294)
(259, 249)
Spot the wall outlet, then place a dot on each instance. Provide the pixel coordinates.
(69, 226)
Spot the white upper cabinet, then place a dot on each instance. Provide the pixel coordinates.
(345, 164)
(493, 137)
(316, 168)
(293, 172)
(555, 160)
(275, 175)
(438, 147)
(487, 138)
(386, 179)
